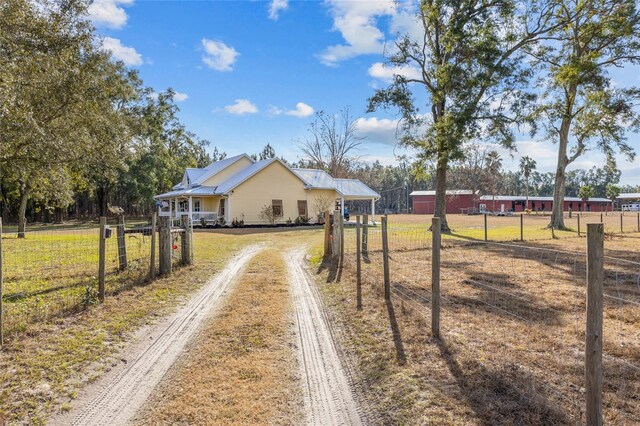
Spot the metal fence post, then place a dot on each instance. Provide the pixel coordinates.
(122, 245)
(385, 259)
(435, 277)
(485, 228)
(102, 258)
(165, 245)
(621, 225)
(638, 222)
(1, 293)
(593, 335)
(152, 269)
(358, 265)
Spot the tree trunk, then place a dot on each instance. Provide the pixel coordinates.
(22, 210)
(101, 195)
(441, 193)
(557, 218)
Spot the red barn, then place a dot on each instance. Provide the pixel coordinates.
(516, 203)
(424, 202)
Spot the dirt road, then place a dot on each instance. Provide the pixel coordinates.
(116, 398)
(327, 394)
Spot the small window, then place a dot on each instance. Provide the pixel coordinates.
(222, 210)
(302, 208)
(196, 205)
(183, 206)
(276, 206)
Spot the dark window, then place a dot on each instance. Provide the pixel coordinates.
(222, 207)
(302, 208)
(276, 206)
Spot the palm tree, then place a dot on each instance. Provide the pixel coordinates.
(527, 165)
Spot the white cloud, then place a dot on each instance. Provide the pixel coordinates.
(180, 97)
(356, 21)
(380, 130)
(218, 56)
(108, 13)
(302, 110)
(276, 6)
(241, 107)
(386, 73)
(126, 54)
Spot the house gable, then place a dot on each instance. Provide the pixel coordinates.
(224, 174)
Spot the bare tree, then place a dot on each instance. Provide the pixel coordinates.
(331, 143)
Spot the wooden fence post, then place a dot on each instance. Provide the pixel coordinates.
(435, 277)
(638, 222)
(1, 293)
(187, 241)
(521, 227)
(152, 268)
(341, 241)
(122, 245)
(600, 221)
(102, 258)
(579, 225)
(593, 335)
(165, 245)
(485, 228)
(358, 266)
(365, 234)
(327, 233)
(385, 259)
(621, 225)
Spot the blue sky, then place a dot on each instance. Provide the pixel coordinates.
(248, 73)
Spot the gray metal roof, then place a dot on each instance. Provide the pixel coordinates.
(353, 188)
(318, 179)
(216, 167)
(187, 192)
(243, 175)
(629, 196)
(449, 192)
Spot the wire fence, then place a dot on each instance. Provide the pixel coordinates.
(51, 273)
(528, 227)
(514, 316)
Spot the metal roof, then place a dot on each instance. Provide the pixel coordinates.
(318, 179)
(353, 188)
(449, 192)
(629, 196)
(186, 192)
(244, 174)
(216, 167)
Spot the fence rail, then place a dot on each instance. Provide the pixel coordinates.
(518, 312)
(53, 272)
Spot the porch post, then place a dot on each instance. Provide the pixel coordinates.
(190, 209)
(228, 212)
(170, 208)
(342, 205)
(373, 210)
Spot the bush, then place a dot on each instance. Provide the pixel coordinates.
(203, 222)
(222, 221)
(237, 223)
(302, 220)
(266, 215)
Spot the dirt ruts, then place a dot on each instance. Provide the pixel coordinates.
(116, 398)
(328, 396)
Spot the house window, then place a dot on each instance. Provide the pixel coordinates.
(196, 205)
(276, 206)
(183, 206)
(302, 208)
(222, 209)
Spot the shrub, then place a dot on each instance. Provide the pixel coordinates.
(302, 220)
(222, 221)
(266, 215)
(237, 223)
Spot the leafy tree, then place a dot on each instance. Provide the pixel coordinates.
(527, 165)
(267, 153)
(469, 60)
(586, 192)
(613, 191)
(581, 109)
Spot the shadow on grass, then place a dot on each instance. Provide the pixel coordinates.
(401, 356)
(508, 396)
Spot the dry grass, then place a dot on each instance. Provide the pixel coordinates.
(241, 369)
(512, 333)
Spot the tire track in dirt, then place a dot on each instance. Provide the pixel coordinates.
(328, 396)
(120, 399)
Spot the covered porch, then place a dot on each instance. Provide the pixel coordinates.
(201, 209)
